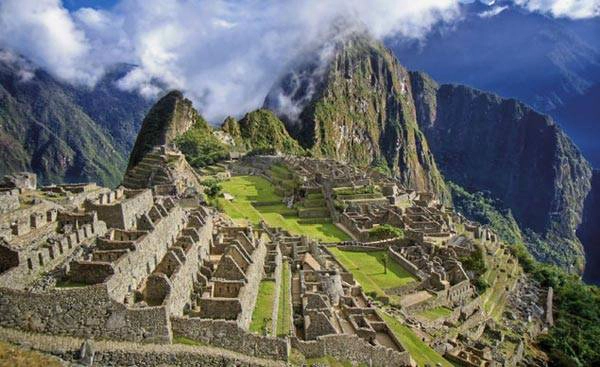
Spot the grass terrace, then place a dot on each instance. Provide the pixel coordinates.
(263, 310)
(435, 313)
(422, 353)
(367, 268)
(255, 199)
(284, 307)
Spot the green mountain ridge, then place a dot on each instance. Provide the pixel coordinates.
(358, 108)
(65, 133)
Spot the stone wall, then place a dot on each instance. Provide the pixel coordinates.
(407, 265)
(228, 335)
(86, 312)
(248, 293)
(122, 213)
(9, 201)
(149, 250)
(182, 281)
(219, 308)
(33, 261)
(352, 348)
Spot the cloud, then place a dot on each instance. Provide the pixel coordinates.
(575, 9)
(225, 55)
(45, 32)
(492, 12)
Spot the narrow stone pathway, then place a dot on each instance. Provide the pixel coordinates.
(113, 353)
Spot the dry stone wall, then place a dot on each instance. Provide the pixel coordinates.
(228, 335)
(86, 312)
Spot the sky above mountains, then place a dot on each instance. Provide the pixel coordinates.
(224, 54)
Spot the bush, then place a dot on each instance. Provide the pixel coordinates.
(212, 188)
(474, 262)
(200, 147)
(385, 231)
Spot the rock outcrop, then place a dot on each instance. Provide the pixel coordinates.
(155, 160)
(169, 118)
(260, 130)
(589, 231)
(351, 100)
(484, 142)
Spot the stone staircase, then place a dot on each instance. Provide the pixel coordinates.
(159, 167)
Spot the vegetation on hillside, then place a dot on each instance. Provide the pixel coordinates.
(481, 208)
(475, 264)
(261, 130)
(573, 341)
(201, 147)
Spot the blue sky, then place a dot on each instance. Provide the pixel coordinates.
(97, 4)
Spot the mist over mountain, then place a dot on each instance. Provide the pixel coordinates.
(62, 132)
(553, 64)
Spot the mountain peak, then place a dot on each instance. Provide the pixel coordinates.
(170, 117)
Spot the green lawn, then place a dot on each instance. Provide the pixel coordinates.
(436, 313)
(283, 310)
(422, 353)
(263, 310)
(367, 268)
(248, 189)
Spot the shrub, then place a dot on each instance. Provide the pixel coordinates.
(385, 231)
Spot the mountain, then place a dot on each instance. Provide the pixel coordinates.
(551, 64)
(589, 231)
(486, 143)
(260, 130)
(61, 132)
(170, 117)
(351, 100)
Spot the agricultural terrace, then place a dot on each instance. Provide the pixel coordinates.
(368, 269)
(421, 352)
(255, 199)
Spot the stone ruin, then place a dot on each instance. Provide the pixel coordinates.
(135, 264)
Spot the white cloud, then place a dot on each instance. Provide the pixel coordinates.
(492, 12)
(225, 55)
(575, 9)
(45, 32)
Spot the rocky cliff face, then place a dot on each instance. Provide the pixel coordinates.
(484, 142)
(589, 231)
(351, 100)
(169, 118)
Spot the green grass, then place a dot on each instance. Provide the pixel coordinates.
(367, 267)
(283, 309)
(186, 341)
(436, 313)
(263, 310)
(422, 353)
(248, 189)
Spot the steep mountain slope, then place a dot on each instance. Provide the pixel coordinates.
(484, 142)
(351, 100)
(61, 132)
(169, 118)
(260, 130)
(546, 62)
(589, 231)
